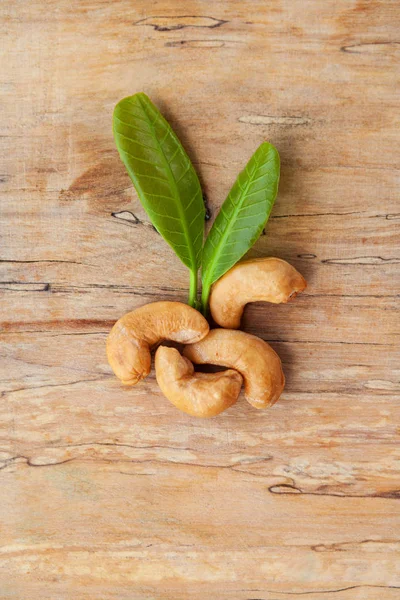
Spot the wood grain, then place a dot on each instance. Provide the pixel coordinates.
(111, 493)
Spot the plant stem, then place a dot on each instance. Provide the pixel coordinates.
(205, 293)
(193, 288)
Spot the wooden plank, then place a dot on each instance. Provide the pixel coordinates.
(174, 548)
(331, 416)
(348, 368)
(332, 264)
(343, 317)
(108, 492)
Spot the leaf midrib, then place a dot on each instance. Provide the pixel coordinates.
(172, 182)
(228, 229)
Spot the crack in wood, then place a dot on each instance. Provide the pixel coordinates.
(361, 260)
(123, 289)
(22, 286)
(326, 214)
(28, 262)
(121, 445)
(195, 44)
(68, 323)
(345, 546)
(311, 592)
(6, 393)
(286, 488)
(127, 215)
(167, 23)
(61, 334)
(370, 47)
(29, 461)
(366, 296)
(209, 43)
(388, 217)
(327, 342)
(129, 218)
(19, 286)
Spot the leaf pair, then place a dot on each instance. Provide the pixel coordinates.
(170, 192)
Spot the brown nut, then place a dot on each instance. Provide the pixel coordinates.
(267, 279)
(130, 340)
(197, 394)
(252, 357)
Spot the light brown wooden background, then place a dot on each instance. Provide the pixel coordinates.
(110, 493)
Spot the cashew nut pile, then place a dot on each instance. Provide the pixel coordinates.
(250, 360)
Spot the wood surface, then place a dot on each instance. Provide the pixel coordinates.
(111, 493)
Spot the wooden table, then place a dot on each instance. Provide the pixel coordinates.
(111, 493)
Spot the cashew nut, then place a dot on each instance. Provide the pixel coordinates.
(197, 394)
(252, 357)
(267, 279)
(130, 340)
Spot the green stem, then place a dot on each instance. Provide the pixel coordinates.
(193, 288)
(205, 293)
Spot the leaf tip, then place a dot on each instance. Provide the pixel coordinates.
(269, 148)
(138, 98)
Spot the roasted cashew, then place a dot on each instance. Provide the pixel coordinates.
(267, 279)
(252, 357)
(197, 394)
(130, 340)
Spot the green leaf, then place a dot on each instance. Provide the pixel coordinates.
(242, 216)
(164, 178)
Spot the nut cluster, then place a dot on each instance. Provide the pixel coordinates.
(249, 359)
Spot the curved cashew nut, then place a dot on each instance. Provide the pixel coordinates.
(197, 394)
(130, 340)
(252, 357)
(268, 279)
